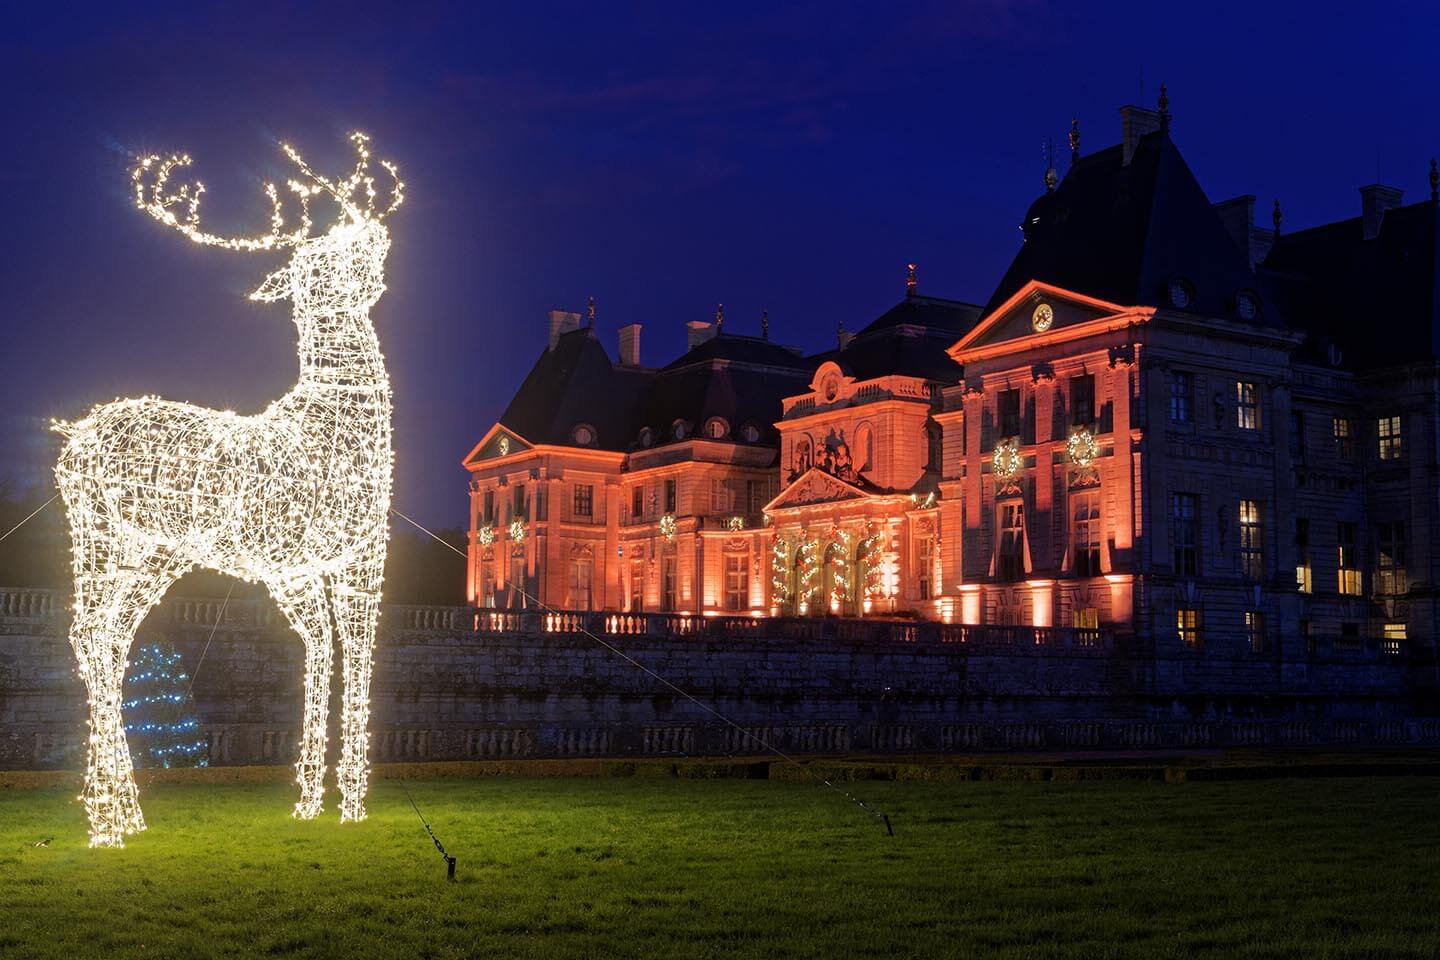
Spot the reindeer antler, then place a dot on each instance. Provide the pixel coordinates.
(345, 191)
(152, 197)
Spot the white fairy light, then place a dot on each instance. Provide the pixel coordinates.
(295, 497)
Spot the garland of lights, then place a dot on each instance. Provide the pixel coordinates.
(295, 497)
(872, 567)
(162, 711)
(668, 526)
(782, 559)
(1081, 447)
(808, 588)
(1006, 461)
(841, 569)
(517, 530)
(486, 535)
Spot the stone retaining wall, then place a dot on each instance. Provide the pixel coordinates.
(454, 684)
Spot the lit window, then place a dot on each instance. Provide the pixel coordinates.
(737, 581)
(1182, 393)
(1390, 558)
(924, 560)
(1085, 533)
(1252, 559)
(1387, 432)
(581, 569)
(1344, 448)
(1304, 572)
(1184, 516)
(1011, 565)
(1255, 630)
(1085, 618)
(1187, 625)
(584, 500)
(1349, 558)
(1247, 405)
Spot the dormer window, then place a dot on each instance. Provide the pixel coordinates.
(716, 428)
(677, 430)
(583, 435)
(1247, 305)
(750, 433)
(647, 437)
(1180, 294)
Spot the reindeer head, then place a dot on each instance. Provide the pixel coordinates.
(341, 269)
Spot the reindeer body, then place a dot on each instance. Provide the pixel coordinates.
(296, 497)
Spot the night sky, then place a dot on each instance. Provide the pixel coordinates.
(661, 160)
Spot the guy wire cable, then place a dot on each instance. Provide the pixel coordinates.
(699, 703)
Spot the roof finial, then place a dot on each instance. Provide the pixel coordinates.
(1074, 140)
(1434, 181)
(840, 334)
(590, 313)
(1275, 217)
(1051, 178)
(719, 317)
(765, 324)
(1164, 108)
(910, 280)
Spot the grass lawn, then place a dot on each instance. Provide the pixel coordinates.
(723, 868)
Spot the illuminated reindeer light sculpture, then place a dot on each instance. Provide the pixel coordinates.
(295, 497)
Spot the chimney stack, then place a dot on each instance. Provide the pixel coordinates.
(630, 345)
(1238, 217)
(1374, 201)
(1136, 122)
(562, 321)
(697, 332)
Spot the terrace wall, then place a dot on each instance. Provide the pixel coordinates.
(454, 683)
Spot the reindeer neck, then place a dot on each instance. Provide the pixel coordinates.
(341, 350)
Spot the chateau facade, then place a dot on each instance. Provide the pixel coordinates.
(1166, 423)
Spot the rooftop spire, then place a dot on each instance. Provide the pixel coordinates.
(765, 324)
(910, 280)
(1164, 108)
(1051, 178)
(590, 313)
(719, 317)
(1434, 181)
(1074, 140)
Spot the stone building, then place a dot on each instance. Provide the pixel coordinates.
(1166, 422)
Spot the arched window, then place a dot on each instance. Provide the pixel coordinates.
(716, 428)
(864, 454)
(583, 434)
(678, 430)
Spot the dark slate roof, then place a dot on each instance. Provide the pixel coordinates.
(576, 383)
(910, 339)
(740, 349)
(739, 378)
(1122, 232)
(1376, 299)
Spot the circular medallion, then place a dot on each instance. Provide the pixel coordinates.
(1043, 318)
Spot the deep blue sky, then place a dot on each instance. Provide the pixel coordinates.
(662, 159)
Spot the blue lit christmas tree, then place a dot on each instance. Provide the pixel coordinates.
(161, 722)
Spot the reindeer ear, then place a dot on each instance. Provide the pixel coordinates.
(275, 287)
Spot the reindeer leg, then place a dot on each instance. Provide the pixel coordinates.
(109, 608)
(305, 608)
(357, 613)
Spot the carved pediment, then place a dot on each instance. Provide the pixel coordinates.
(1037, 310)
(497, 442)
(815, 486)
